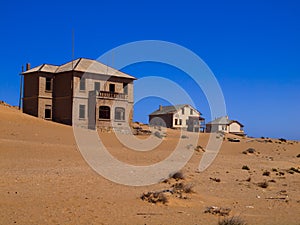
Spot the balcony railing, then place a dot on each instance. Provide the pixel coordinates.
(108, 94)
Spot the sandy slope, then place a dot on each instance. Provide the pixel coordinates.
(44, 180)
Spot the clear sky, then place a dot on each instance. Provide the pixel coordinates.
(253, 48)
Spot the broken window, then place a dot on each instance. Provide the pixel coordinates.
(48, 113)
(119, 113)
(112, 88)
(82, 84)
(81, 111)
(125, 88)
(48, 84)
(97, 86)
(104, 112)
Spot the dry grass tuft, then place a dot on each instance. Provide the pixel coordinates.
(232, 221)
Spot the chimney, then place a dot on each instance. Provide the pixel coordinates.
(27, 66)
(160, 107)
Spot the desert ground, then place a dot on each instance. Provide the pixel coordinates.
(45, 180)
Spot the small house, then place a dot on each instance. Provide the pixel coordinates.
(178, 116)
(225, 125)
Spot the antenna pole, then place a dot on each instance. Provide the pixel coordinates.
(73, 51)
(21, 88)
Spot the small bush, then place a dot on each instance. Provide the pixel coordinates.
(154, 197)
(157, 134)
(184, 137)
(282, 139)
(298, 156)
(249, 150)
(245, 167)
(266, 173)
(274, 170)
(177, 176)
(263, 184)
(199, 148)
(232, 221)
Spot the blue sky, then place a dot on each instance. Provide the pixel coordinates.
(252, 47)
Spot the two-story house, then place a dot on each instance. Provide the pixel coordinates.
(83, 90)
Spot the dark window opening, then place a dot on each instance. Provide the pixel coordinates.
(48, 113)
(125, 88)
(82, 84)
(97, 86)
(104, 112)
(182, 111)
(112, 88)
(180, 122)
(81, 111)
(176, 121)
(191, 112)
(119, 113)
(48, 84)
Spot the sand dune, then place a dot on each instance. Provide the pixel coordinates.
(45, 180)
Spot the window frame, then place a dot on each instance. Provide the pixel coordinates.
(47, 81)
(81, 110)
(106, 110)
(82, 84)
(122, 116)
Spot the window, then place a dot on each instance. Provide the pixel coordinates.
(48, 112)
(97, 86)
(112, 88)
(186, 122)
(191, 112)
(82, 84)
(125, 88)
(48, 84)
(119, 113)
(176, 121)
(182, 111)
(81, 111)
(180, 121)
(104, 112)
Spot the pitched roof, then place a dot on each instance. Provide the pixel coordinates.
(171, 109)
(81, 65)
(224, 121)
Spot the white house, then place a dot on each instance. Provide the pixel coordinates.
(225, 125)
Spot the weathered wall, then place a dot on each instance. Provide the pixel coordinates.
(62, 98)
(234, 127)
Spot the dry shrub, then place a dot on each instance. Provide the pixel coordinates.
(245, 167)
(232, 221)
(177, 176)
(217, 210)
(263, 184)
(155, 197)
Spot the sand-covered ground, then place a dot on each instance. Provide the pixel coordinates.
(45, 180)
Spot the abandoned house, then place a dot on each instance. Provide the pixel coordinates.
(225, 125)
(178, 116)
(84, 90)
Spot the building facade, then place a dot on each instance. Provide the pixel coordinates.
(178, 117)
(223, 124)
(83, 91)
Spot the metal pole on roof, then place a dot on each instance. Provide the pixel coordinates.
(21, 87)
(73, 51)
